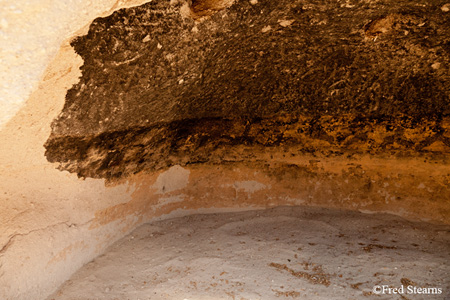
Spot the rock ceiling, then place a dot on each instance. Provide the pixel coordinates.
(231, 82)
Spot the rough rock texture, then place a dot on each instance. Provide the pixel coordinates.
(351, 95)
(331, 77)
(232, 151)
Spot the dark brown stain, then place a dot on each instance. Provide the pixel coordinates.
(318, 277)
(117, 154)
(158, 89)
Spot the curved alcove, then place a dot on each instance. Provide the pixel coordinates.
(172, 108)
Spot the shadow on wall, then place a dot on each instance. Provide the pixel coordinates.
(340, 93)
(299, 104)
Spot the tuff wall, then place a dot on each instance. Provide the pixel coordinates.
(175, 107)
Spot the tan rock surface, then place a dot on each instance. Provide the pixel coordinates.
(52, 222)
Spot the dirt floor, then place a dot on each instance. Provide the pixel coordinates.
(279, 253)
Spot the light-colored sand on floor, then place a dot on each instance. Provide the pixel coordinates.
(280, 253)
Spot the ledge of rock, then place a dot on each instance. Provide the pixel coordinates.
(259, 83)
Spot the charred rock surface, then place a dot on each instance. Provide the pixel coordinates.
(330, 78)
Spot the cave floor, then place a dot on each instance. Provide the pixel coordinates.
(278, 253)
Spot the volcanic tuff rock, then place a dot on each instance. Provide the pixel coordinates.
(234, 82)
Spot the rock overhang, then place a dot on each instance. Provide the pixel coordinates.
(159, 88)
(260, 104)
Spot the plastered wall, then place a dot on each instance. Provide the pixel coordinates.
(44, 213)
(52, 222)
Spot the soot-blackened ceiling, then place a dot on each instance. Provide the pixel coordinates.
(160, 87)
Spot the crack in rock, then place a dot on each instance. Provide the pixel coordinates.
(14, 236)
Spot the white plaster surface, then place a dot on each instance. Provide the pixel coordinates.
(45, 215)
(175, 178)
(31, 32)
